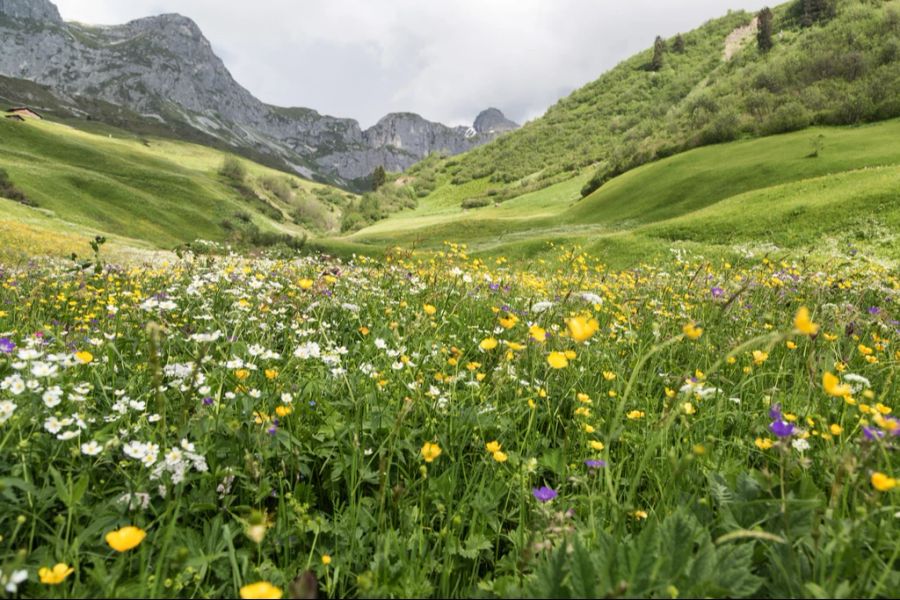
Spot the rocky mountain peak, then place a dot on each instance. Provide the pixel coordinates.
(33, 10)
(169, 22)
(164, 69)
(493, 121)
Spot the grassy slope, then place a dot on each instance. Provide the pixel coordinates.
(844, 71)
(762, 191)
(154, 190)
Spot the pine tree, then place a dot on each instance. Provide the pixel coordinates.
(659, 49)
(816, 11)
(764, 30)
(378, 177)
(678, 44)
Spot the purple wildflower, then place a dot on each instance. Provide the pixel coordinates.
(544, 494)
(872, 433)
(207, 401)
(7, 346)
(782, 428)
(595, 464)
(775, 412)
(874, 310)
(717, 292)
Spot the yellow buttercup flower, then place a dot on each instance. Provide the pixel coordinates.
(84, 357)
(326, 559)
(763, 443)
(126, 538)
(500, 456)
(493, 446)
(691, 331)
(430, 451)
(558, 360)
(538, 334)
(882, 482)
(688, 408)
(595, 445)
(635, 414)
(582, 329)
(305, 284)
(834, 387)
(429, 309)
(836, 429)
(803, 323)
(509, 322)
(56, 575)
(261, 589)
(759, 357)
(488, 344)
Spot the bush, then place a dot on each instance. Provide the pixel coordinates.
(233, 169)
(9, 190)
(787, 117)
(475, 203)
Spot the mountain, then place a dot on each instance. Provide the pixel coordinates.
(163, 69)
(839, 66)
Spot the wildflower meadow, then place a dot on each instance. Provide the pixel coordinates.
(443, 426)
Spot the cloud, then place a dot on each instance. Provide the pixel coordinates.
(444, 60)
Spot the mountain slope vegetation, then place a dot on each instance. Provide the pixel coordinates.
(818, 190)
(156, 191)
(840, 67)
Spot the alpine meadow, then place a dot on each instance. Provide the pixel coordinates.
(646, 344)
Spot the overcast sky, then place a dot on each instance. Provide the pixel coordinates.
(446, 60)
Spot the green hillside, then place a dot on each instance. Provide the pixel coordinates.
(827, 69)
(156, 191)
(817, 190)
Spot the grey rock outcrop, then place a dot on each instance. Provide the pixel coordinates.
(492, 121)
(163, 68)
(33, 10)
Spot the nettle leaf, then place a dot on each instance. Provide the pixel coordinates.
(475, 545)
(583, 572)
(548, 581)
(733, 573)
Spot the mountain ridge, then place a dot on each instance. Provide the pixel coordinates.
(164, 68)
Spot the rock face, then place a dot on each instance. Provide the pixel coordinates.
(492, 121)
(163, 68)
(34, 10)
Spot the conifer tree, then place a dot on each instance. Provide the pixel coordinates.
(378, 178)
(659, 49)
(764, 30)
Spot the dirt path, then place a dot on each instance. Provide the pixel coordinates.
(737, 38)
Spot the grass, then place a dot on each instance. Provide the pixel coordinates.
(841, 70)
(447, 427)
(766, 192)
(152, 190)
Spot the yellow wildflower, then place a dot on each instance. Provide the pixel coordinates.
(558, 360)
(833, 386)
(56, 575)
(582, 329)
(488, 344)
(882, 482)
(126, 538)
(691, 331)
(430, 451)
(261, 589)
(803, 323)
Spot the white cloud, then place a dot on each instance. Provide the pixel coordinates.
(444, 60)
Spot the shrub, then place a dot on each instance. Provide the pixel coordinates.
(233, 169)
(9, 190)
